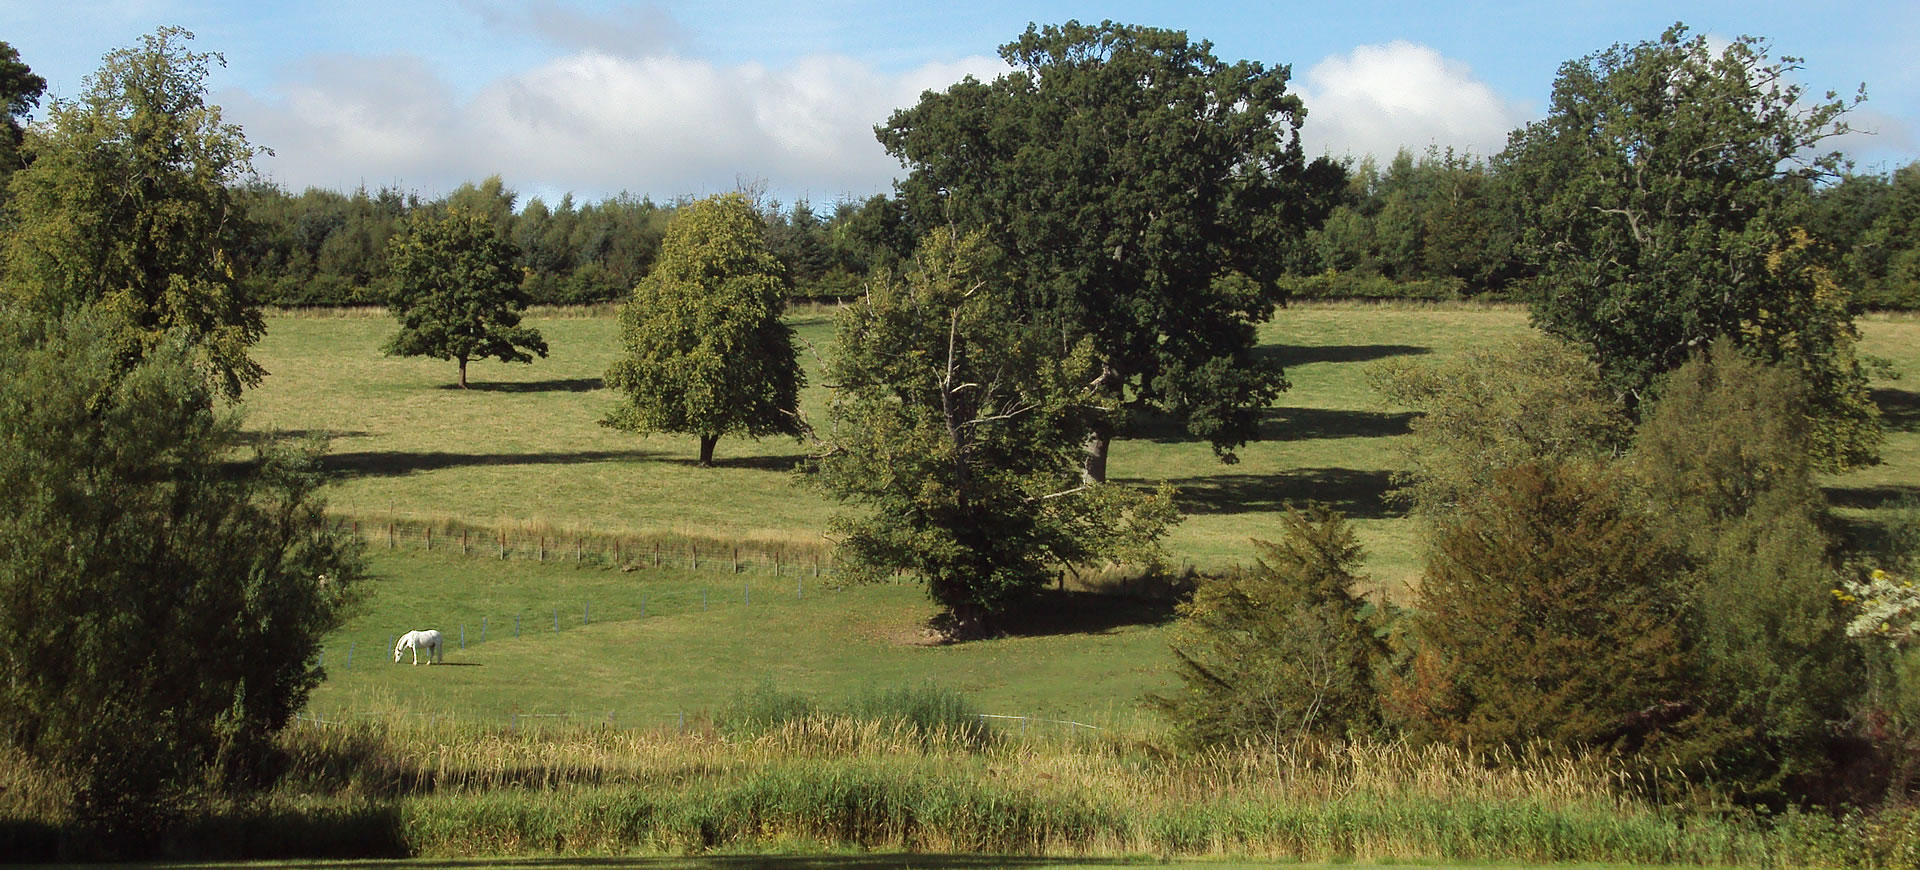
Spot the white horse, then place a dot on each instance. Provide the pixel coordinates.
(428, 640)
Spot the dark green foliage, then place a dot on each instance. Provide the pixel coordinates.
(1724, 459)
(1146, 196)
(956, 426)
(1550, 610)
(927, 710)
(705, 352)
(20, 91)
(129, 207)
(162, 594)
(1664, 195)
(1283, 648)
(749, 713)
(457, 293)
(1444, 220)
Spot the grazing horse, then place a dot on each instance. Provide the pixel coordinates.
(428, 640)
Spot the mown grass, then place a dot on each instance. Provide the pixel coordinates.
(523, 449)
(642, 648)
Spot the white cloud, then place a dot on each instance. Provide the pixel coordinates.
(1381, 98)
(591, 122)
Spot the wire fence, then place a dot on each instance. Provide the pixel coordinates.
(679, 721)
(594, 549)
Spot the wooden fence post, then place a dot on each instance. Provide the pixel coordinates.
(389, 536)
(463, 543)
(736, 560)
(429, 539)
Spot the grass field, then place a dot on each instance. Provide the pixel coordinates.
(649, 645)
(641, 648)
(523, 448)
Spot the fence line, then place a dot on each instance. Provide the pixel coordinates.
(594, 549)
(628, 721)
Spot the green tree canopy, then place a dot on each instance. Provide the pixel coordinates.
(456, 292)
(20, 92)
(129, 205)
(705, 351)
(1146, 196)
(954, 426)
(162, 592)
(1664, 193)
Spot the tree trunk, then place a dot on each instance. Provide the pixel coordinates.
(463, 373)
(1098, 441)
(706, 449)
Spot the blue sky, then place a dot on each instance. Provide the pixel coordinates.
(673, 98)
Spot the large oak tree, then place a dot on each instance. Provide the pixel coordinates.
(1664, 200)
(457, 294)
(1145, 194)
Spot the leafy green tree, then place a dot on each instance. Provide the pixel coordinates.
(129, 206)
(1493, 407)
(1549, 610)
(1664, 194)
(1724, 460)
(20, 91)
(456, 293)
(704, 349)
(162, 593)
(1287, 646)
(1146, 196)
(954, 426)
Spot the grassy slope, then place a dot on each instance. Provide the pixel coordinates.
(523, 446)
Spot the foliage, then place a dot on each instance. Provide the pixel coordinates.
(129, 206)
(1446, 219)
(20, 92)
(1724, 460)
(161, 603)
(957, 425)
(705, 351)
(1874, 221)
(1495, 406)
(456, 293)
(1663, 196)
(1146, 196)
(1287, 646)
(1888, 608)
(1549, 611)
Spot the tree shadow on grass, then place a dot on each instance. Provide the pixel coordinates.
(564, 385)
(1357, 493)
(396, 463)
(1289, 355)
(1284, 424)
(1871, 497)
(282, 436)
(782, 462)
(1899, 409)
(1305, 424)
(1068, 611)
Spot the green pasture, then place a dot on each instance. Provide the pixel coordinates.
(523, 448)
(641, 648)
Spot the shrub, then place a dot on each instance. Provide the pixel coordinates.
(1548, 611)
(1726, 461)
(1286, 646)
(928, 710)
(758, 710)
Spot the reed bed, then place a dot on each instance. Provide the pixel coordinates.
(832, 782)
(837, 782)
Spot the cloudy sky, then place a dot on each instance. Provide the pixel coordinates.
(673, 98)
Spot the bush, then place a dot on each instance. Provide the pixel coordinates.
(758, 710)
(1725, 459)
(1548, 612)
(162, 596)
(1284, 647)
(1358, 285)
